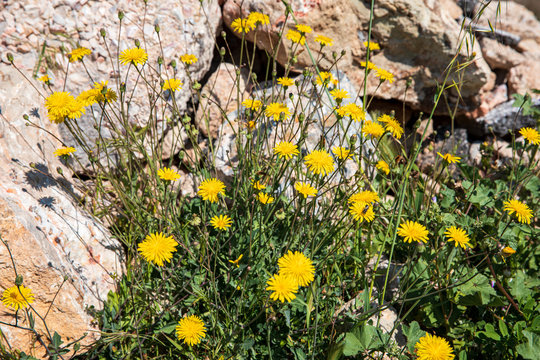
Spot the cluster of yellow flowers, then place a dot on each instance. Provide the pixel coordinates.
(295, 270)
(250, 23)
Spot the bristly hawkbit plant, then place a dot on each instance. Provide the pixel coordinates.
(305, 244)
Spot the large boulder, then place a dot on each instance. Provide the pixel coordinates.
(65, 256)
(418, 40)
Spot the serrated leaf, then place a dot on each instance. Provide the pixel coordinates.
(531, 348)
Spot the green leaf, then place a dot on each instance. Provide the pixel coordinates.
(503, 328)
(491, 332)
(352, 345)
(476, 291)
(413, 333)
(531, 348)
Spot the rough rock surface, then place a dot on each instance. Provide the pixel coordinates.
(49, 236)
(418, 40)
(504, 118)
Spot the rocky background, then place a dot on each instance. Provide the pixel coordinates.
(53, 239)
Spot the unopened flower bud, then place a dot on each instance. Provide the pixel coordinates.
(19, 280)
(223, 34)
(156, 28)
(59, 170)
(102, 32)
(222, 51)
(353, 139)
(447, 134)
(254, 77)
(196, 86)
(173, 63)
(343, 52)
(120, 15)
(26, 117)
(10, 57)
(137, 43)
(334, 54)
(160, 60)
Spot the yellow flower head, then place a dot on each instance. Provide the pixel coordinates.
(64, 151)
(284, 287)
(45, 79)
(297, 266)
(383, 166)
(101, 93)
(373, 129)
(353, 111)
(362, 211)
(449, 158)
(17, 299)
(168, 174)
(338, 94)
(324, 40)
(372, 45)
(324, 78)
(365, 196)
(88, 97)
(459, 236)
(391, 125)
(62, 105)
(243, 25)
(304, 29)
(135, 56)
(254, 105)
(431, 347)
(210, 189)
(235, 262)
(413, 231)
(258, 186)
(190, 329)
(172, 84)
(264, 198)
(78, 54)
(531, 135)
(286, 150)
(384, 75)
(341, 152)
(285, 81)
(157, 248)
(188, 59)
(522, 211)
(319, 162)
(221, 222)
(296, 37)
(258, 18)
(276, 109)
(305, 189)
(507, 251)
(370, 65)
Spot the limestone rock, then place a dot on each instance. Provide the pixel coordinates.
(504, 118)
(500, 56)
(521, 79)
(221, 95)
(49, 235)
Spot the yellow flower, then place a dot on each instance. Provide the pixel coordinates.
(459, 236)
(88, 97)
(264, 198)
(324, 40)
(17, 299)
(507, 251)
(172, 84)
(413, 231)
(276, 109)
(391, 125)
(286, 149)
(45, 79)
(210, 189)
(324, 78)
(431, 347)
(99, 96)
(353, 111)
(362, 211)
(370, 65)
(319, 162)
(254, 105)
(522, 211)
(168, 174)
(221, 222)
(64, 151)
(188, 59)
(298, 267)
(285, 81)
(283, 287)
(384, 75)
(305, 189)
(304, 29)
(235, 262)
(373, 129)
(190, 329)
(258, 18)
(62, 105)
(135, 56)
(296, 37)
(383, 166)
(258, 186)
(531, 135)
(341, 152)
(339, 94)
(372, 45)
(242, 25)
(78, 54)
(157, 248)
(365, 196)
(449, 158)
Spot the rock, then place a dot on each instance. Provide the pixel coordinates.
(488, 101)
(418, 39)
(49, 235)
(533, 5)
(221, 95)
(500, 56)
(504, 118)
(520, 79)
